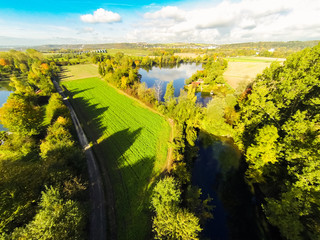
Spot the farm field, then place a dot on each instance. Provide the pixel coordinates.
(130, 141)
(243, 70)
(79, 71)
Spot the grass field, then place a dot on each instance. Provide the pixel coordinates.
(79, 71)
(130, 141)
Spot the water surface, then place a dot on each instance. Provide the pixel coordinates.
(219, 171)
(178, 74)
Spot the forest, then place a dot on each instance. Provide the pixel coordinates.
(274, 122)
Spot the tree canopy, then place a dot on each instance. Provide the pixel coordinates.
(279, 132)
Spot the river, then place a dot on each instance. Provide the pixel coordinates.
(4, 94)
(178, 74)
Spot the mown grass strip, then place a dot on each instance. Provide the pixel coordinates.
(130, 141)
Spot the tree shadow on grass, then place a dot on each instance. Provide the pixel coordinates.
(131, 183)
(90, 115)
(74, 92)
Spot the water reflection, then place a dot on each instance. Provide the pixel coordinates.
(178, 74)
(219, 171)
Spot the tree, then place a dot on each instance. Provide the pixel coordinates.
(158, 89)
(58, 146)
(165, 193)
(278, 130)
(19, 115)
(171, 221)
(169, 92)
(56, 108)
(56, 219)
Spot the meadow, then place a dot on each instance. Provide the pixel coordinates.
(130, 141)
(79, 71)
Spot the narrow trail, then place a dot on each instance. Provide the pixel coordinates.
(98, 217)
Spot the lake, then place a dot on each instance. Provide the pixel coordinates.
(178, 74)
(4, 94)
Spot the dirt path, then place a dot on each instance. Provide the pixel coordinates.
(98, 218)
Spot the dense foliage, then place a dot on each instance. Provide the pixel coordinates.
(42, 196)
(278, 130)
(172, 221)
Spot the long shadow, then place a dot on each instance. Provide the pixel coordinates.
(75, 91)
(130, 181)
(63, 75)
(90, 115)
(133, 204)
(127, 185)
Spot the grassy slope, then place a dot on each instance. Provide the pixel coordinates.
(131, 141)
(79, 71)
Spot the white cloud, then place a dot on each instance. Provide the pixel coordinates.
(226, 22)
(168, 12)
(101, 16)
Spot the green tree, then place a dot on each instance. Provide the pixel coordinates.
(169, 92)
(56, 219)
(56, 108)
(278, 130)
(58, 146)
(171, 221)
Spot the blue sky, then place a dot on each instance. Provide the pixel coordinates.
(219, 21)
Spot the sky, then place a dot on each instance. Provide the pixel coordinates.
(36, 22)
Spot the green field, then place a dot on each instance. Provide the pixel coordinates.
(130, 141)
(79, 71)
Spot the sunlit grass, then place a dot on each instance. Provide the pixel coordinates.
(131, 143)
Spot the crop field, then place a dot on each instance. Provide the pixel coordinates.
(130, 141)
(79, 71)
(242, 70)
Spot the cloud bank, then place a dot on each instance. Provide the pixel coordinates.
(101, 16)
(247, 20)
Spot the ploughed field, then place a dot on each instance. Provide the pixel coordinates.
(131, 143)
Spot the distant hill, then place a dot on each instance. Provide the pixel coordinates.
(291, 45)
(284, 46)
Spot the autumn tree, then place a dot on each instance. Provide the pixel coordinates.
(21, 116)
